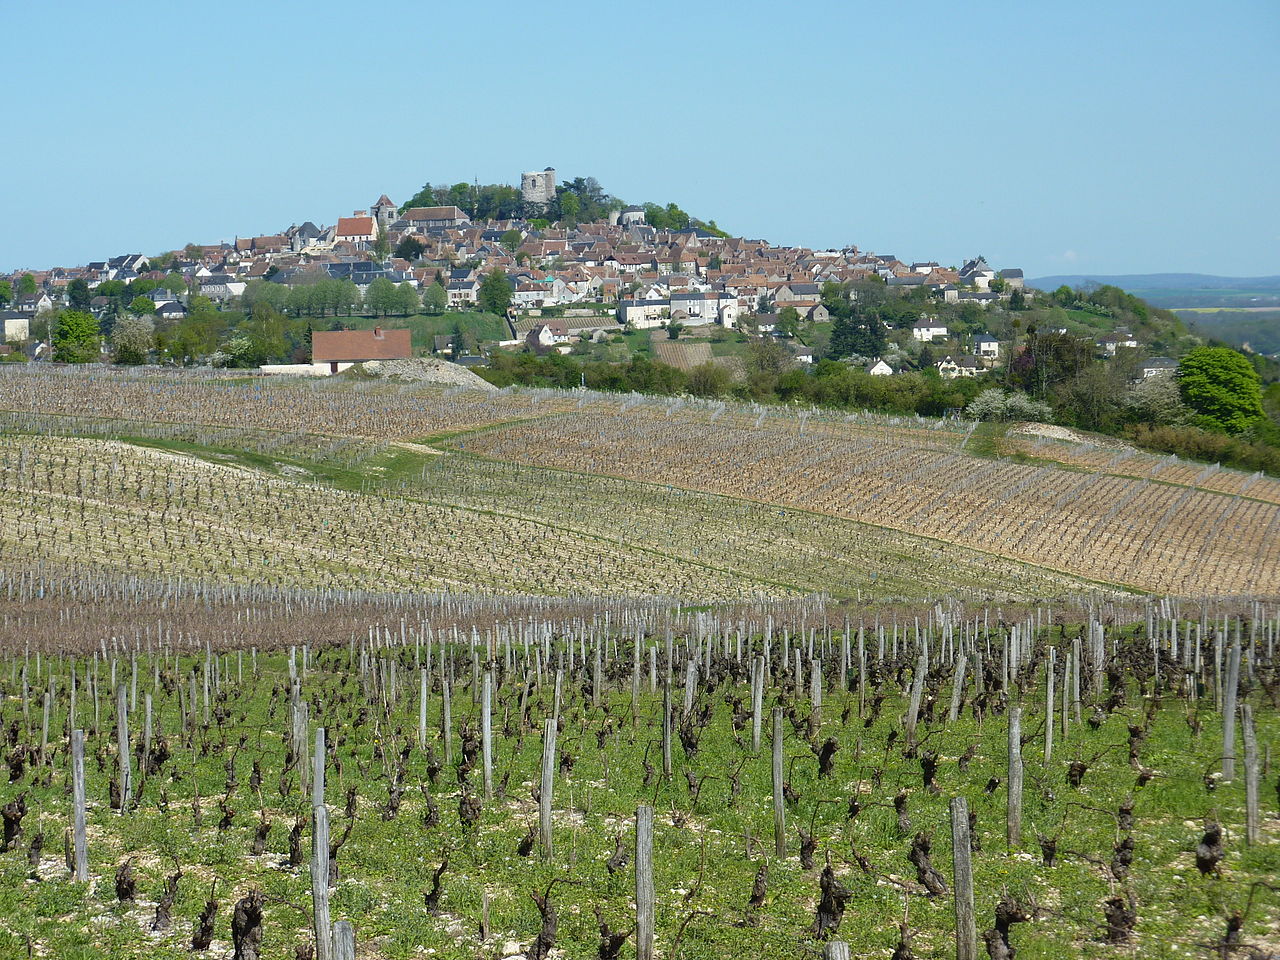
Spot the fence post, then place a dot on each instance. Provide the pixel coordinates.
(1229, 713)
(644, 883)
(317, 777)
(486, 732)
(1251, 818)
(966, 927)
(757, 704)
(548, 784)
(344, 941)
(122, 734)
(81, 868)
(779, 811)
(1014, 832)
(320, 883)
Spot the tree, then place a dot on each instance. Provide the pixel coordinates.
(495, 292)
(409, 248)
(709, 380)
(26, 285)
(141, 306)
(788, 321)
(132, 339)
(512, 240)
(77, 338)
(673, 330)
(426, 197)
(570, 206)
(78, 294)
(381, 246)
(435, 298)
(380, 298)
(1222, 387)
(406, 299)
(6, 293)
(859, 335)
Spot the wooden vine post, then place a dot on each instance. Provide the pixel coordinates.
(486, 733)
(966, 925)
(547, 785)
(320, 883)
(80, 869)
(779, 810)
(122, 735)
(1014, 832)
(645, 900)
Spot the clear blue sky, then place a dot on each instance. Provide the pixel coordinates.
(1096, 137)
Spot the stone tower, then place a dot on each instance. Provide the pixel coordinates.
(538, 187)
(384, 212)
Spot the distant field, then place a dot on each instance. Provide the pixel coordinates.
(682, 355)
(1173, 290)
(560, 492)
(1257, 327)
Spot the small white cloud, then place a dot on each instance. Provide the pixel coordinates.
(1071, 256)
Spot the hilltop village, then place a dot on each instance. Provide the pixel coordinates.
(566, 280)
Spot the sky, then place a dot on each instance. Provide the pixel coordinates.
(1081, 137)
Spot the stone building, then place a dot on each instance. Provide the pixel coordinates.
(538, 187)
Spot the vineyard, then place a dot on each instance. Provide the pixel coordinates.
(784, 779)
(346, 669)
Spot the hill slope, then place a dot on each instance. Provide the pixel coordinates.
(1178, 289)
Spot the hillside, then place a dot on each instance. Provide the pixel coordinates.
(1178, 289)
(566, 492)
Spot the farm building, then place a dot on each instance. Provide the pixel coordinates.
(341, 348)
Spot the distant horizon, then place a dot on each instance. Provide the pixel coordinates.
(1101, 138)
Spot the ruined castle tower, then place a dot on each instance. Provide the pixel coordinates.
(538, 187)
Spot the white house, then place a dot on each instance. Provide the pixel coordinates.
(1159, 367)
(928, 329)
(880, 369)
(986, 346)
(358, 229)
(950, 369)
(17, 326)
(643, 314)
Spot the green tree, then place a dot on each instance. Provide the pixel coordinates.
(26, 285)
(406, 299)
(435, 298)
(132, 339)
(570, 206)
(6, 293)
(512, 240)
(495, 292)
(709, 380)
(141, 306)
(788, 322)
(77, 338)
(78, 294)
(409, 248)
(380, 297)
(673, 330)
(1222, 387)
(426, 197)
(381, 246)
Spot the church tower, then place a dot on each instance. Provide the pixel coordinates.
(384, 212)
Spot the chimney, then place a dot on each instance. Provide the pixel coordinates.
(377, 333)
